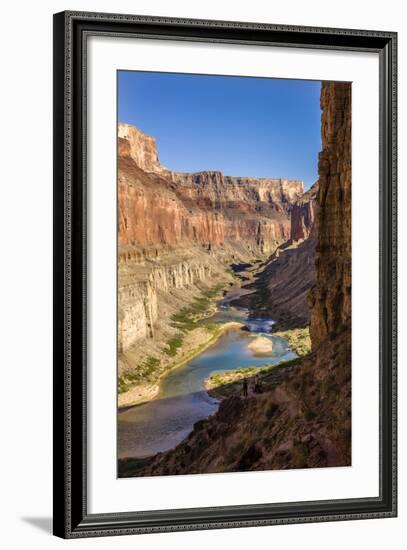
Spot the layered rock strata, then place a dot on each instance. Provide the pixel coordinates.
(139, 294)
(160, 207)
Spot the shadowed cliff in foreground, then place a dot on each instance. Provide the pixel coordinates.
(305, 419)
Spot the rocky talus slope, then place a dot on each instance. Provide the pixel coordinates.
(304, 420)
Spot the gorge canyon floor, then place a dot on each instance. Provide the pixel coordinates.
(223, 279)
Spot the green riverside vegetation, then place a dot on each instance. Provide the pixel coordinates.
(298, 339)
(227, 383)
(185, 320)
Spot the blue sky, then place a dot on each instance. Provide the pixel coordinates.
(258, 127)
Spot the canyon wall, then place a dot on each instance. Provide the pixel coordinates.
(151, 214)
(139, 147)
(330, 300)
(282, 288)
(303, 215)
(139, 289)
(161, 207)
(137, 313)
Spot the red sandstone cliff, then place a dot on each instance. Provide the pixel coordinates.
(164, 208)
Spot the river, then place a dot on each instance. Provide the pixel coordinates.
(162, 423)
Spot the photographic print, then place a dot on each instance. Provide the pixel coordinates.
(225, 282)
(234, 274)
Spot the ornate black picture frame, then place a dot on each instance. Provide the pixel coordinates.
(71, 517)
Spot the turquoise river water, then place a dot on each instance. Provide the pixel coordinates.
(162, 423)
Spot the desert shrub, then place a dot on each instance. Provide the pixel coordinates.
(250, 457)
(310, 415)
(271, 411)
(186, 319)
(300, 455)
(128, 467)
(150, 365)
(122, 385)
(173, 345)
(234, 452)
(212, 327)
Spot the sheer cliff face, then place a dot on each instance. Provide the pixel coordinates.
(303, 215)
(330, 300)
(164, 208)
(151, 213)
